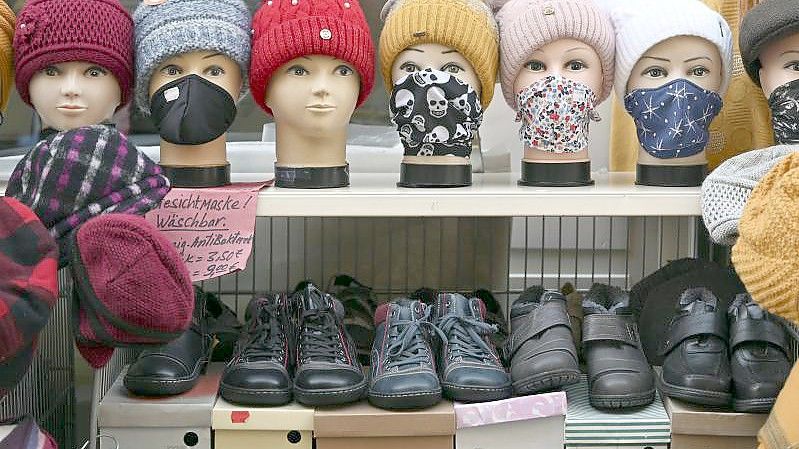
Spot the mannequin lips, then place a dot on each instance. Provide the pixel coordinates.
(71, 108)
(321, 107)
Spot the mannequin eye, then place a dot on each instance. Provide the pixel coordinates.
(793, 66)
(51, 71)
(576, 65)
(171, 70)
(452, 68)
(699, 72)
(655, 72)
(409, 67)
(298, 70)
(214, 71)
(535, 66)
(344, 70)
(95, 72)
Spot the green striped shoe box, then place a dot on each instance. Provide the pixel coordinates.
(637, 428)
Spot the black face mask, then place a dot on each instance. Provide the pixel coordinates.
(784, 105)
(192, 111)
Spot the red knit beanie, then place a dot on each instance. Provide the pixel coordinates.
(56, 31)
(288, 29)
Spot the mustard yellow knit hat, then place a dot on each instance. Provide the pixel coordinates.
(467, 26)
(766, 255)
(7, 23)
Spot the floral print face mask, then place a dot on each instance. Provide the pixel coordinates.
(555, 113)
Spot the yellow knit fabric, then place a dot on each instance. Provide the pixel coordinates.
(744, 122)
(765, 255)
(464, 25)
(7, 21)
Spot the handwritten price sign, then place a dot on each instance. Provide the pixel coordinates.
(213, 229)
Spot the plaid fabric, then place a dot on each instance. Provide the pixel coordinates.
(74, 175)
(28, 287)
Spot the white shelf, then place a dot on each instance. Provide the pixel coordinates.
(492, 195)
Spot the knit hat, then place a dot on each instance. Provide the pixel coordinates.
(174, 27)
(642, 24)
(765, 254)
(527, 25)
(767, 22)
(28, 287)
(131, 287)
(7, 21)
(287, 29)
(55, 31)
(726, 190)
(77, 174)
(467, 26)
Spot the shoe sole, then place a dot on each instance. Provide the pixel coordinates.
(331, 396)
(623, 401)
(546, 381)
(693, 395)
(405, 401)
(145, 386)
(758, 405)
(249, 396)
(476, 394)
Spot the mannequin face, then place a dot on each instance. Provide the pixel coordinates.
(214, 67)
(779, 63)
(314, 94)
(436, 57)
(682, 57)
(568, 58)
(74, 94)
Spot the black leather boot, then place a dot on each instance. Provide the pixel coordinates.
(541, 347)
(403, 368)
(618, 374)
(468, 363)
(176, 367)
(261, 369)
(760, 362)
(328, 371)
(696, 366)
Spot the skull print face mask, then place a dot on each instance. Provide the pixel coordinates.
(555, 113)
(784, 104)
(435, 114)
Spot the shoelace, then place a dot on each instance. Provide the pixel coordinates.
(265, 336)
(319, 339)
(465, 337)
(408, 346)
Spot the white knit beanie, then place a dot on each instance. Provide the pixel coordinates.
(727, 189)
(642, 24)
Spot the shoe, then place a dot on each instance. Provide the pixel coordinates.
(261, 368)
(494, 316)
(176, 367)
(760, 363)
(359, 306)
(327, 371)
(618, 374)
(574, 307)
(403, 369)
(541, 350)
(468, 363)
(696, 366)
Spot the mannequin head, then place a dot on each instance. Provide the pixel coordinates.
(568, 58)
(73, 94)
(681, 57)
(769, 43)
(779, 63)
(313, 95)
(436, 57)
(210, 65)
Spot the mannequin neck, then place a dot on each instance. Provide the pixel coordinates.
(534, 154)
(297, 149)
(211, 154)
(645, 158)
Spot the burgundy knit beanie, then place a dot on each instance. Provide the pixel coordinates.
(55, 31)
(287, 29)
(28, 287)
(131, 287)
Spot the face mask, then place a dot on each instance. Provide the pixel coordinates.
(672, 120)
(192, 111)
(784, 104)
(555, 113)
(435, 113)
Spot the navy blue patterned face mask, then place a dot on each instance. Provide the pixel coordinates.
(672, 120)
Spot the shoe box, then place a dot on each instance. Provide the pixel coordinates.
(526, 422)
(362, 426)
(587, 427)
(242, 427)
(173, 422)
(699, 427)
